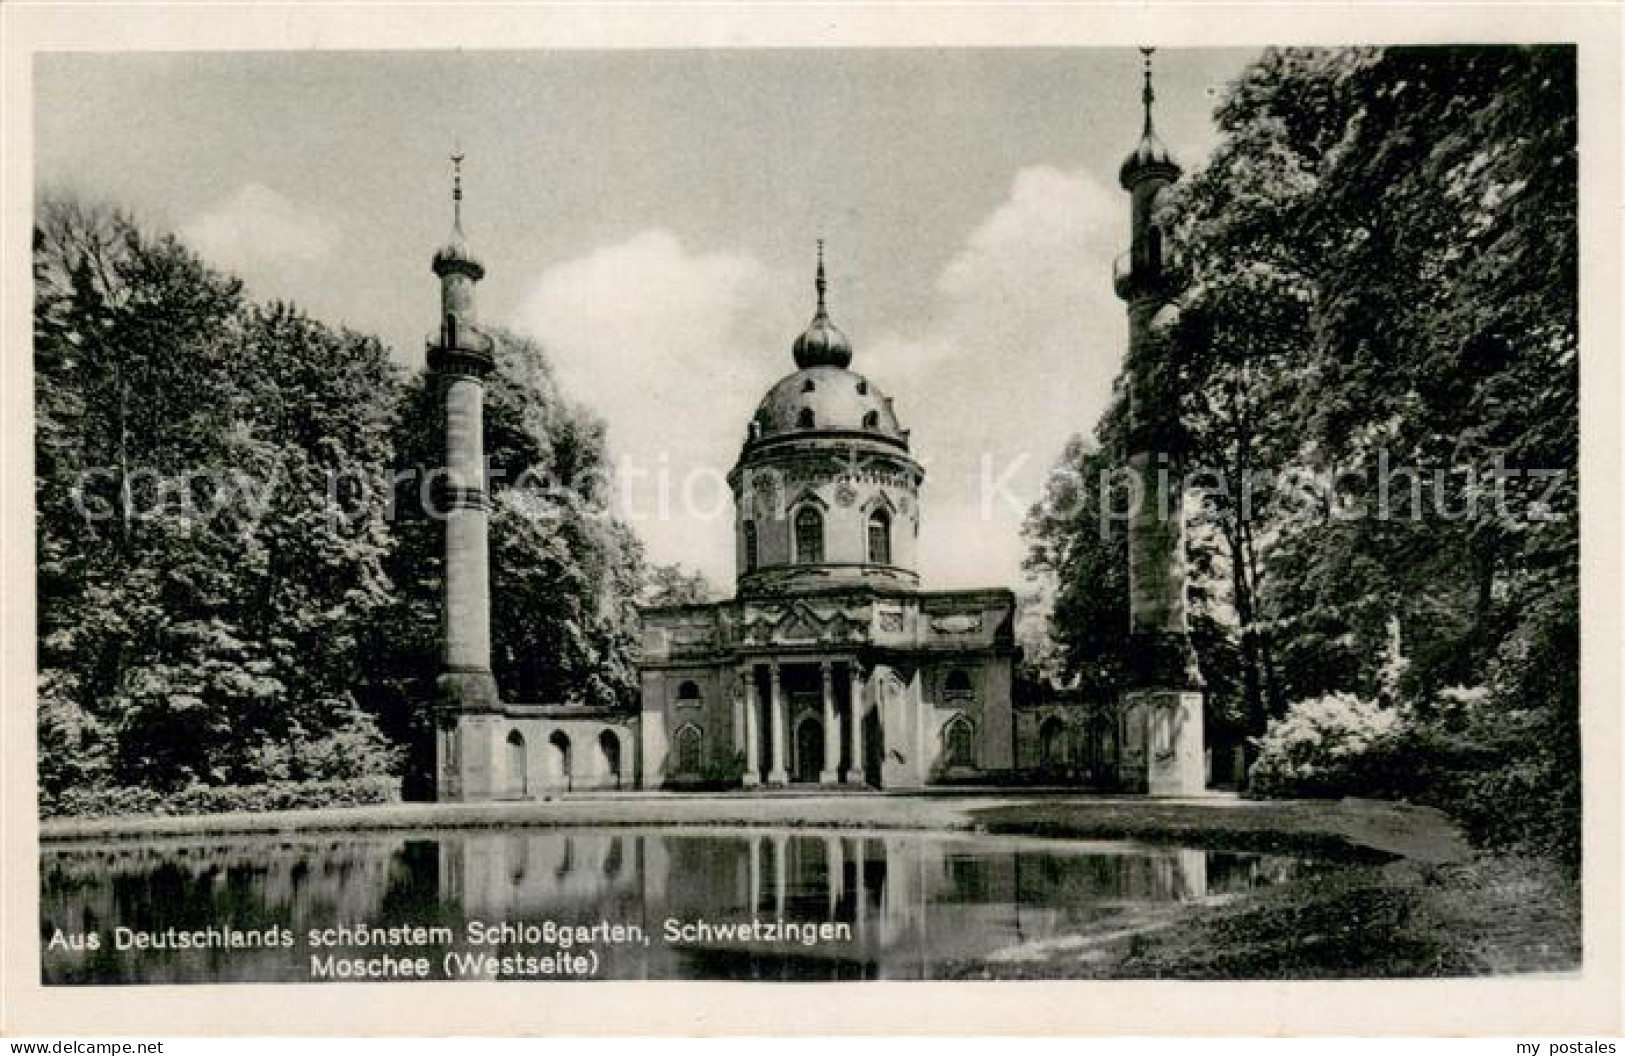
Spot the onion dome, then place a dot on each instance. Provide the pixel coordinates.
(455, 255)
(1150, 157)
(822, 344)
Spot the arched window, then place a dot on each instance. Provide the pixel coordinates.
(690, 745)
(871, 420)
(609, 747)
(809, 536)
(1162, 732)
(808, 386)
(863, 387)
(688, 693)
(561, 754)
(957, 684)
(518, 778)
(804, 420)
(959, 743)
(750, 546)
(879, 538)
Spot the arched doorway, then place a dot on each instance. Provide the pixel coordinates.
(959, 744)
(690, 751)
(518, 778)
(609, 748)
(560, 743)
(809, 750)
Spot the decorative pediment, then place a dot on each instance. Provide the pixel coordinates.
(879, 501)
(800, 626)
(806, 497)
(756, 626)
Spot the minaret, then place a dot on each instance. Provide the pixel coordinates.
(459, 357)
(1162, 739)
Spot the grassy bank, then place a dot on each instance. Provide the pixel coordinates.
(1488, 915)
(1415, 900)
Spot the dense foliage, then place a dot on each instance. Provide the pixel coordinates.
(129, 800)
(1377, 370)
(226, 597)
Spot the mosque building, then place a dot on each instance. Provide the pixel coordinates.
(831, 666)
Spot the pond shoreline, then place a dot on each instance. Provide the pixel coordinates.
(1361, 828)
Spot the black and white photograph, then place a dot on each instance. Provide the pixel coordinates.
(808, 514)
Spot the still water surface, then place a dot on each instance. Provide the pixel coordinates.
(607, 903)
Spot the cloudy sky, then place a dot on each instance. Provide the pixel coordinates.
(651, 216)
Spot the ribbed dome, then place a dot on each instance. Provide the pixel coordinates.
(822, 399)
(1149, 157)
(456, 256)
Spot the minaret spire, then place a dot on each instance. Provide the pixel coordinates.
(1148, 94)
(457, 157)
(818, 283)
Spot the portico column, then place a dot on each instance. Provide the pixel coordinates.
(854, 772)
(777, 774)
(832, 730)
(753, 739)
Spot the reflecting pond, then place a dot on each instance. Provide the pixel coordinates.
(620, 903)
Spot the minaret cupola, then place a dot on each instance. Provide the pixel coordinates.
(460, 338)
(1150, 158)
(454, 256)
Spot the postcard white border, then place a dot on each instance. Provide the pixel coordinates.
(1571, 1005)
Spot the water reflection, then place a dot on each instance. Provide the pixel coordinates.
(898, 905)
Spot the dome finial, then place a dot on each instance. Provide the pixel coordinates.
(457, 157)
(821, 344)
(1148, 94)
(819, 283)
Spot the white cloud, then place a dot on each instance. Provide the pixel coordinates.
(1019, 353)
(258, 226)
(667, 344)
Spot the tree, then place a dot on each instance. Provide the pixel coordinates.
(198, 600)
(674, 585)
